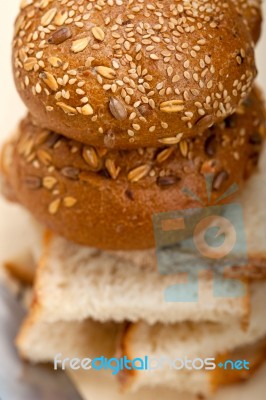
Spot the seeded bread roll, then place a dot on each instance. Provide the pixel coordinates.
(106, 198)
(132, 73)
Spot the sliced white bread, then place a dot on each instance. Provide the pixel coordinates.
(192, 340)
(87, 283)
(41, 341)
(96, 386)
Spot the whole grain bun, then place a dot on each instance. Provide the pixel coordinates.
(106, 198)
(132, 73)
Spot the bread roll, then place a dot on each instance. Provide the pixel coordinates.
(106, 199)
(132, 73)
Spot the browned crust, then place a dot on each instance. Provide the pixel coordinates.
(127, 377)
(24, 329)
(20, 272)
(254, 353)
(205, 65)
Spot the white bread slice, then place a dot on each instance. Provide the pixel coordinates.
(203, 339)
(95, 386)
(87, 283)
(41, 341)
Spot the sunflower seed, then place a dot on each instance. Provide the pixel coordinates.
(98, 33)
(106, 72)
(205, 122)
(54, 206)
(172, 106)
(52, 139)
(90, 157)
(219, 180)
(80, 45)
(70, 173)
(49, 79)
(60, 36)
(210, 145)
(117, 109)
(33, 182)
(138, 173)
(167, 180)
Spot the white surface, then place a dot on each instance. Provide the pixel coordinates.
(11, 108)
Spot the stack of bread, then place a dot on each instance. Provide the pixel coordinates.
(131, 104)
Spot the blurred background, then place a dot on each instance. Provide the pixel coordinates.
(11, 107)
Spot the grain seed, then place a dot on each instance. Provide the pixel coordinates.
(49, 182)
(90, 157)
(87, 109)
(98, 33)
(164, 154)
(48, 17)
(117, 109)
(183, 146)
(171, 140)
(80, 45)
(138, 173)
(106, 72)
(67, 109)
(55, 61)
(54, 206)
(69, 201)
(49, 79)
(30, 63)
(112, 169)
(172, 106)
(44, 157)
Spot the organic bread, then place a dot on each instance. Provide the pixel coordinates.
(119, 74)
(106, 198)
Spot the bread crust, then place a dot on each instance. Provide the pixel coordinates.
(106, 199)
(133, 74)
